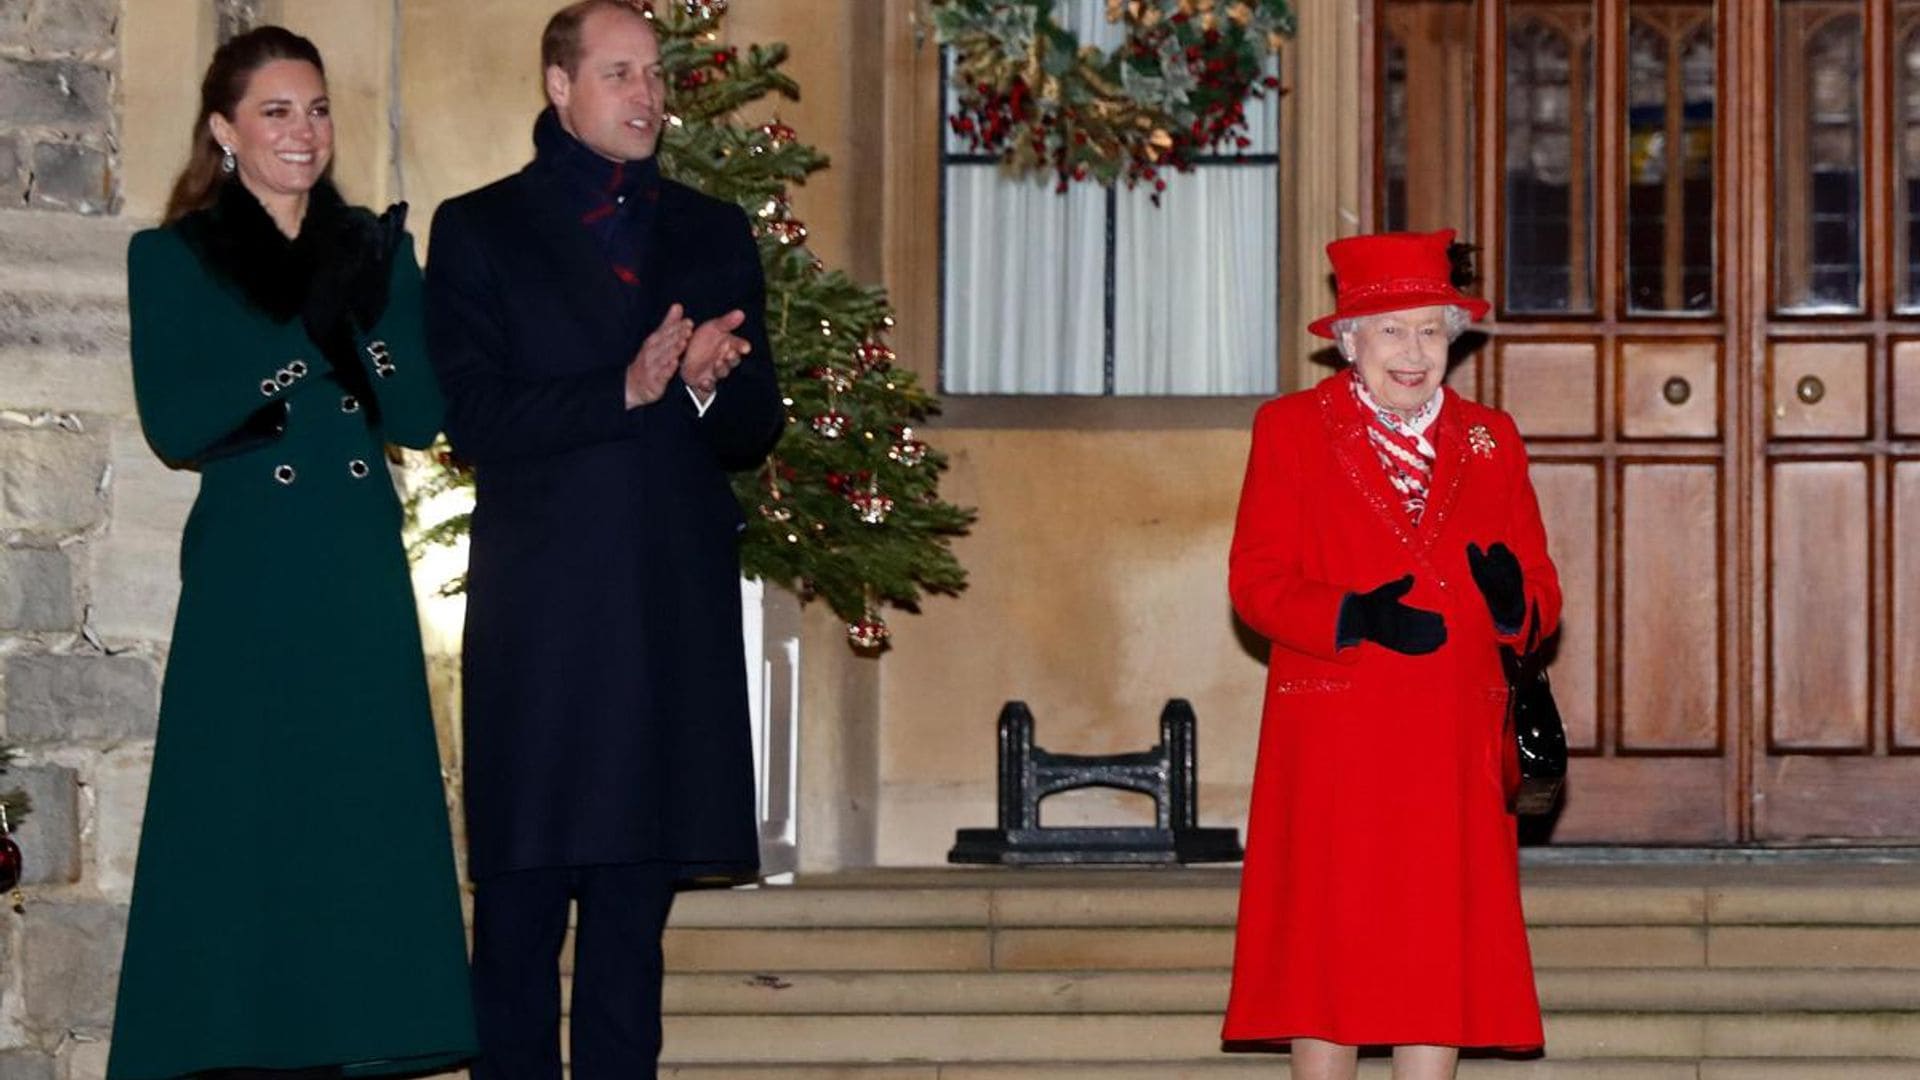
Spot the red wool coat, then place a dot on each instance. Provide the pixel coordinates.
(1380, 903)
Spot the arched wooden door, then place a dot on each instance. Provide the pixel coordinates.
(1696, 222)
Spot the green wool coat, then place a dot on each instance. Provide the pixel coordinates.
(295, 903)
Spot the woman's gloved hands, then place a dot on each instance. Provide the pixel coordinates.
(355, 266)
(1497, 573)
(1379, 616)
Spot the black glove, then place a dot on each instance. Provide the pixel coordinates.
(1380, 617)
(353, 265)
(1497, 573)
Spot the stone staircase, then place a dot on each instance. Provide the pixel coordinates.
(1646, 972)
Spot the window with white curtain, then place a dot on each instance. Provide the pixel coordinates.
(1101, 292)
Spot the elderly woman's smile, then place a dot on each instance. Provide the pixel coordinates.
(1401, 356)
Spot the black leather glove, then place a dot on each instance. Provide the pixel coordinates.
(1379, 616)
(354, 265)
(1497, 573)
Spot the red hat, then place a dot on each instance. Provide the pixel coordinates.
(1393, 272)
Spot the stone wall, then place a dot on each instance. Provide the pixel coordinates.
(59, 60)
(88, 531)
(88, 523)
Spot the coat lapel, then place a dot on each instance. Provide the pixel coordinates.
(1347, 434)
(1449, 468)
(591, 288)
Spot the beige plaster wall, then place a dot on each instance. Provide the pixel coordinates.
(164, 49)
(167, 45)
(1098, 592)
(1099, 561)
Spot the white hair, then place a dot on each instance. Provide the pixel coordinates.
(1343, 329)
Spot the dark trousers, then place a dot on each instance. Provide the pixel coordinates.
(519, 924)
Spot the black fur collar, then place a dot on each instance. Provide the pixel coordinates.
(237, 239)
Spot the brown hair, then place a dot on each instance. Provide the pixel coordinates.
(221, 89)
(560, 41)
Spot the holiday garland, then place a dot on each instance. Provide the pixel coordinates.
(1030, 93)
(847, 507)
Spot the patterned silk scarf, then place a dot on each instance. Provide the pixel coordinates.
(1401, 444)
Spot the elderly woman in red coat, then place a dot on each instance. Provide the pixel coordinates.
(1388, 542)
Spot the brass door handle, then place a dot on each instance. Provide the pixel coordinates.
(1676, 390)
(1810, 389)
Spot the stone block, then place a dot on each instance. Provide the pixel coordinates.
(13, 176)
(26, 1064)
(70, 176)
(36, 590)
(66, 94)
(119, 788)
(52, 480)
(37, 379)
(13, 22)
(84, 1060)
(70, 964)
(58, 318)
(134, 574)
(83, 26)
(49, 838)
(79, 698)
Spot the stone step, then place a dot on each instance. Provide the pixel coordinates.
(1205, 992)
(70, 253)
(35, 378)
(1266, 1067)
(1141, 1039)
(1553, 896)
(61, 323)
(1149, 948)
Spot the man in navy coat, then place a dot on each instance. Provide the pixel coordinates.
(600, 335)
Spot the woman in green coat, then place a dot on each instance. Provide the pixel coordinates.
(295, 909)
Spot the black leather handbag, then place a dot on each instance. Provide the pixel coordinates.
(1534, 765)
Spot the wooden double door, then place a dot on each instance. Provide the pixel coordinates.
(1697, 223)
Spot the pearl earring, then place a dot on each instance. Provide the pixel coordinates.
(227, 162)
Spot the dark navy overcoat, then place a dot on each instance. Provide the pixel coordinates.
(605, 687)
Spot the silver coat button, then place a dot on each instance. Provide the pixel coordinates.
(357, 468)
(349, 404)
(283, 473)
(268, 387)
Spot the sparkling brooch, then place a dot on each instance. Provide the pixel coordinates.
(1481, 440)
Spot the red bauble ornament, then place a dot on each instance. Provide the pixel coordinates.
(869, 632)
(830, 424)
(12, 864)
(872, 356)
(871, 506)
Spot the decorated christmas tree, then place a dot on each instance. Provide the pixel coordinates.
(847, 508)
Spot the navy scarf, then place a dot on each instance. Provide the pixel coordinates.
(614, 200)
